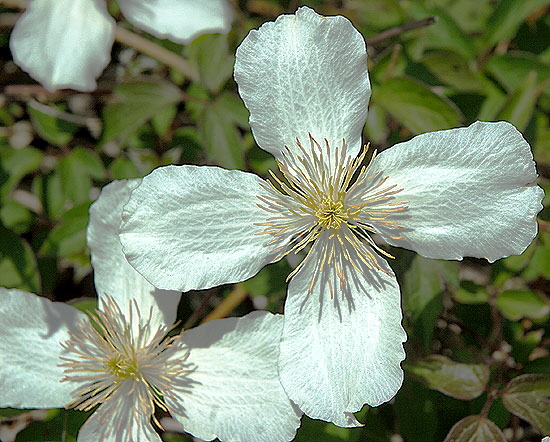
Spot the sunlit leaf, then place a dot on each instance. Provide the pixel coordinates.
(528, 396)
(461, 381)
(517, 304)
(475, 429)
(15, 164)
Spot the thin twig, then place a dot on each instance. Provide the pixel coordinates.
(229, 304)
(398, 30)
(147, 47)
(192, 320)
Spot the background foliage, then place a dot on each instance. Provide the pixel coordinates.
(478, 364)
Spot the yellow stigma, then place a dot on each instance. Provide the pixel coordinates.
(121, 368)
(330, 214)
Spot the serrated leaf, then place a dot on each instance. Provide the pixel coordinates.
(517, 304)
(528, 396)
(211, 57)
(453, 70)
(54, 130)
(415, 106)
(137, 102)
(507, 18)
(461, 381)
(475, 429)
(18, 266)
(222, 140)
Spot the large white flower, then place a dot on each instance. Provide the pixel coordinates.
(219, 379)
(67, 43)
(447, 194)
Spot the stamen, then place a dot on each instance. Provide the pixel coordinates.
(328, 191)
(114, 358)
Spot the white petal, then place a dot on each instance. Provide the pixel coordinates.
(113, 275)
(64, 43)
(32, 328)
(233, 392)
(192, 227)
(471, 192)
(339, 353)
(179, 20)
(301, 74)
(123, 421)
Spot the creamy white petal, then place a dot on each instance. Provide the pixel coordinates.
(32, 328)
(471, 192)
(304, 74)
(64, 43)
(113, 275)
(232, 391)
(192, 227)
(179, 20)
(118, 422)
(340, 352)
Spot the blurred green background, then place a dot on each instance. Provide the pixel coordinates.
(472, 326)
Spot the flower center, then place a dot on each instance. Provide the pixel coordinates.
(112, 358)
(122, 369)
(330, 214)
(329, 197)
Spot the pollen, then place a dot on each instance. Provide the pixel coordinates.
(112, 357)
(325, 195)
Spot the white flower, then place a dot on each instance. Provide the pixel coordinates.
(67, 43)
(447, 194)
(219, 379)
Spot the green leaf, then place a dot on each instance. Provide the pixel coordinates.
(76, 171)
(376, 14)
(470, 293)
(135, 104)
(415, 106)
(85, 305)
(376, 127)
(517, 304)
(423, 285)
(162, 120)
(507, 18)
(223, 141)
(315, 430)
(453, 70)
(528, 396)
(211, 57)
(475, 429)
(520, 106)
(60, 425)
(461, 381)
(15, 164)
(510, 70)
(18, 266)
(54, 130)
(444, 34)
(122, 169)
(69, 236)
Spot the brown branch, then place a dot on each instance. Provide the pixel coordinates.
(398, 30)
